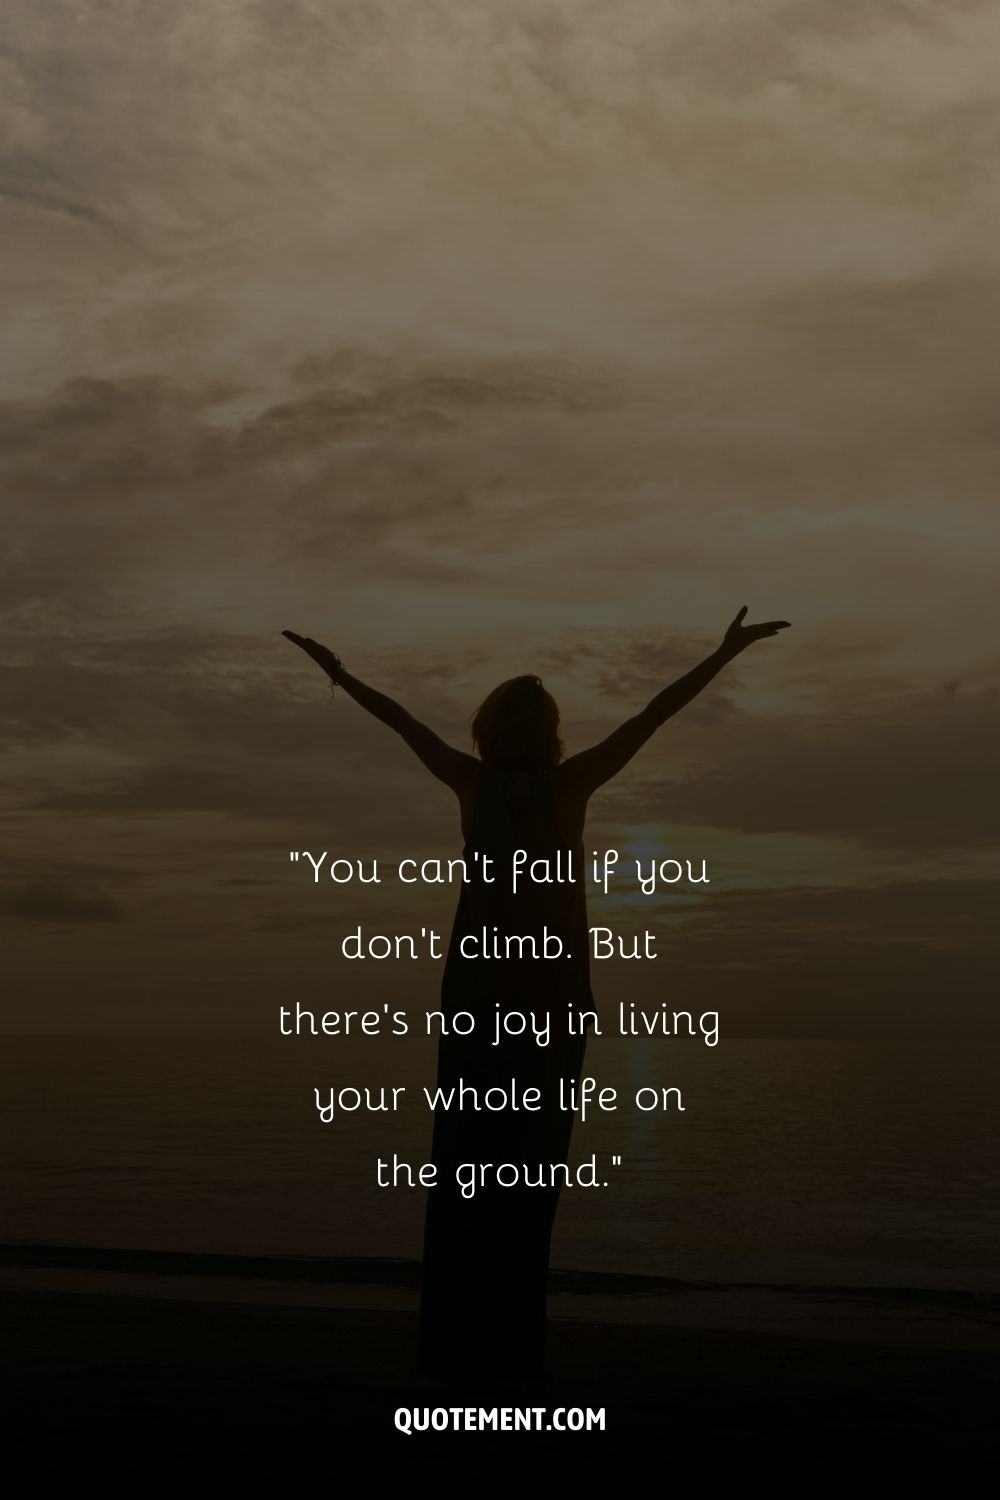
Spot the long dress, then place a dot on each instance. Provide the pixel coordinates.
(486, 1257)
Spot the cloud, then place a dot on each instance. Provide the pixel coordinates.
(53, 901)
(187, 720)
(488, 340)
(916, 772)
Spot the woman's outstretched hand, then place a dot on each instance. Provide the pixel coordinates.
(739, 636)
(321, 655)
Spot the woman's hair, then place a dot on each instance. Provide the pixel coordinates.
(517, 725)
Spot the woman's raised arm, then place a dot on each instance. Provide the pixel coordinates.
(591, 768)
(453, 767)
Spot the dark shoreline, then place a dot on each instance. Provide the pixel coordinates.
(98, 1384)
(381, 1271)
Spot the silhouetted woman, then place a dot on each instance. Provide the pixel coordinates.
(486, 1255)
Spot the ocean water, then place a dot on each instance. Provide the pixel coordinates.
(794, 1163)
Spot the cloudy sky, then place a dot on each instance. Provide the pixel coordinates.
(480, 338)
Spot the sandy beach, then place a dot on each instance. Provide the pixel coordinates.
(139, 1374)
